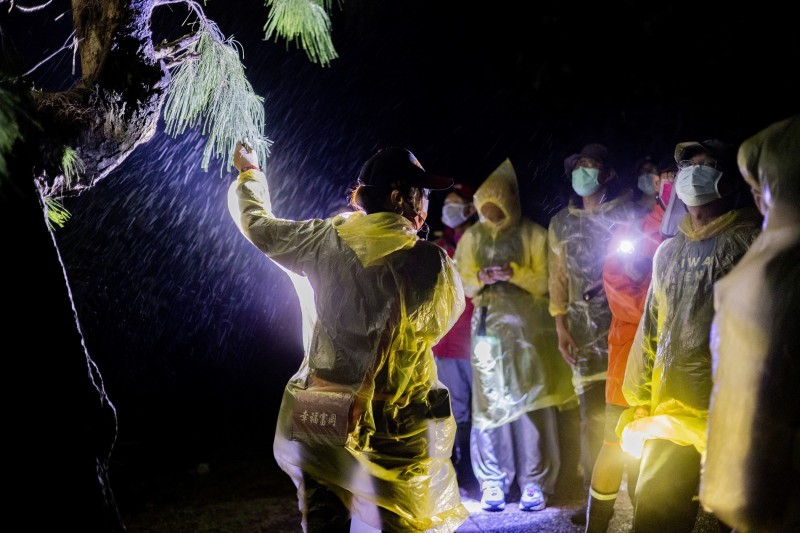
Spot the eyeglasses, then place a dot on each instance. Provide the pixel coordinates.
(689, 163)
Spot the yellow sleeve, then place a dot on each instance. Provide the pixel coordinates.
(532, 274)
(557, 276)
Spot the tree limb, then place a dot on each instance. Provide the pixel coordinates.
(172, 49)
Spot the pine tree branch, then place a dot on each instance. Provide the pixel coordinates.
(171, 50)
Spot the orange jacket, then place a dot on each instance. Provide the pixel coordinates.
(626, 277)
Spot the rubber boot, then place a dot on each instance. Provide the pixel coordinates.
(599, 513)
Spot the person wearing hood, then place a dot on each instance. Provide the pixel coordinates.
(579, 235)
(519, 379)
(668, 382)
(364, 428)
(751, 468)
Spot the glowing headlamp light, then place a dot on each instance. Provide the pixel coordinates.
(484, 344)
(626, 246)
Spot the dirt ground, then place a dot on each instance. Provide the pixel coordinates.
(256, 497)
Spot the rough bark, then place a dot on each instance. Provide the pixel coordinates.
(118, 102)
(64, 425)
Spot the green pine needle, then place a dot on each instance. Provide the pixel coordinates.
(210, 90)
(71, 165)
(306, 21)
(57, 215)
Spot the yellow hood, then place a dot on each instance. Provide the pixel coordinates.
(502, 189)
(373, 237)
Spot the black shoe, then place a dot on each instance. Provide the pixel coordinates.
(578, 517)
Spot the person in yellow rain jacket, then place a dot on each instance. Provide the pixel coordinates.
(751, 467)
(519, 378)
(668, 375)
(365, 428)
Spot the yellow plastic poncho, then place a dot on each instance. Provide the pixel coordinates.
(751, 470)
(381, 299)
(671, 373)
(578, 240)
(524, 370)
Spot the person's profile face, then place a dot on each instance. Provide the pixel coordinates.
(423, 201)
(419, 203)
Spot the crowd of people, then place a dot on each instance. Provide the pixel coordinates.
(642, 335)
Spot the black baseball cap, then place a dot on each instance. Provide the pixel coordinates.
(394, 166)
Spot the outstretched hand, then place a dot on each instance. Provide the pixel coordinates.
(244, 157)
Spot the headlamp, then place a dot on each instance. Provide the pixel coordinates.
(626, 246)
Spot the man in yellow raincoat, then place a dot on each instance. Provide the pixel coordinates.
(365, 429)
(668, 381)
(519, 378)
(751, 470)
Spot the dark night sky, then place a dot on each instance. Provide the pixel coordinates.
(196, 333)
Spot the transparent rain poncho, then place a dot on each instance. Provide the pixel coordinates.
(520, 369)
(752, 461)
(381, 299)
(578, 240)
(670, 370)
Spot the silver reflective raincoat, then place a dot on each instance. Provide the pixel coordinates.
(578, 240)
(381, 299)
(523, 369)
(672, 372)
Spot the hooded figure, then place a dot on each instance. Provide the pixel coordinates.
(365, 429)
(519, 377)
(751, 469)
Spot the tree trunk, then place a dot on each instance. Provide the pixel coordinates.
(63, 424)
(117, 104)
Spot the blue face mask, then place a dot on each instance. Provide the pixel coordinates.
(697, 185)
(584, 181)
(645, 184)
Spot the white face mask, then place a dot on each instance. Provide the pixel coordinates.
(697, 185)
(454, 214)
(645, 184)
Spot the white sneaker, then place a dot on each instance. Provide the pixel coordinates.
(493, 499)
(532, 499)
